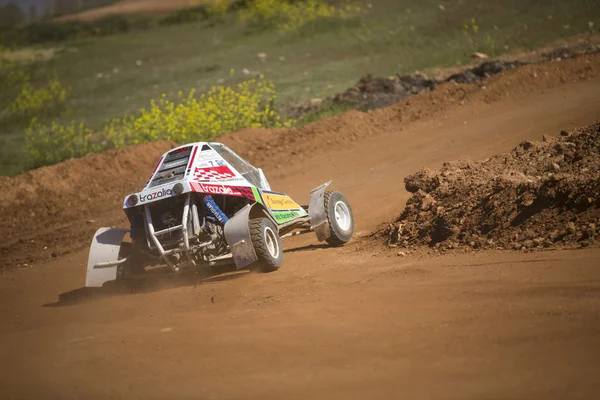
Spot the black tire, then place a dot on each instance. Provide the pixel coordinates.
(267, 244)
(341, 228)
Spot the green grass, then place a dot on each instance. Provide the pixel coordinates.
(397, 36)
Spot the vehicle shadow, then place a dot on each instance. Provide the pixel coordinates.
(148, 283)
(308, 247)
(159, 280)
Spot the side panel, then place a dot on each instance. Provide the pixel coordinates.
(281, 206)
(317, 212)
(237, 234)
(105, 249)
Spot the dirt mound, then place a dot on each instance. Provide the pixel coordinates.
(542, 194)
(43, 210)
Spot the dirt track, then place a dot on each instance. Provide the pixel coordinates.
(351, 322)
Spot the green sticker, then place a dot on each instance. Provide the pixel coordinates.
(256, 195)
(285, 216)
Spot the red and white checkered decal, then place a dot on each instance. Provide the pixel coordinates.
(213, 173)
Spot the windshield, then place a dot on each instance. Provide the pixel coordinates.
(242, 166)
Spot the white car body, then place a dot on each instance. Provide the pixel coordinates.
(195, 210)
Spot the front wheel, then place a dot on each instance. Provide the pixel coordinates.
(267, 244)
(339, 217)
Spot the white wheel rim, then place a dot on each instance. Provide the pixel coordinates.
(271, 242)
(342, 215)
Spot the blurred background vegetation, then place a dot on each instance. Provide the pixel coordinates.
(77, 85)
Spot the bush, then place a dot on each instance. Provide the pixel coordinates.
(12, 76)
(20, 100)
(292, 16)
(47, 144)
(188, 119)
(40, 102)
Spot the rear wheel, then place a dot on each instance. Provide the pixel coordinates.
(267, 244)
(339, 217)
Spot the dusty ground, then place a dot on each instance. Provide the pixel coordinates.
(352, 322)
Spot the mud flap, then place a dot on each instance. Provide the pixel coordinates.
(237, 234)
(103, 252)
(317, 212)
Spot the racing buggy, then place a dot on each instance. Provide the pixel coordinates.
(205, 206)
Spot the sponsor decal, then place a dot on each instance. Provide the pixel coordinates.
(211, 163)
(214, 210)
(219, 189)
(156, 195)
(238, 191)
(208, 155)
(287, 215)
(279, 201)
(231, 180)
(213, 173)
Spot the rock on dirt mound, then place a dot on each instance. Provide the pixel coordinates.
(562, 53)
(373, 92)
(483, 71)
(542, 194)
(376, 92)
